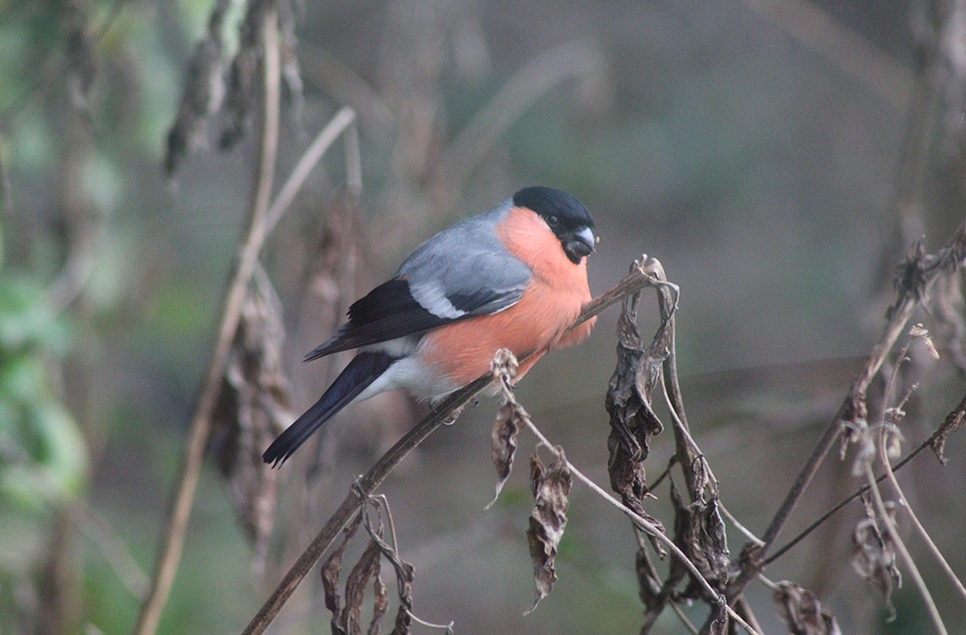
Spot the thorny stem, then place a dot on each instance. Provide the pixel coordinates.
(639, 278)
(170, 555)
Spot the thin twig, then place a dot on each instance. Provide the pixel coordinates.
(115, 551)
(891, 476)
(684, 618)
(339, 123)
(170, 555)
(845, 501)
(639, 278)
(638, 520)
(734, 521)
(901, 547)
(923, 533)
(850, 52)
(909, 299)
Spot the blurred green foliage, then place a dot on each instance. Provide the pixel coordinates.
(43, 458)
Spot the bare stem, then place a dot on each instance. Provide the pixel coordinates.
(170, 556)
(901, 547)
(845, 501)
(891, 476)
(638, 520)
(446, 411)
(910, 297)
(343, 120)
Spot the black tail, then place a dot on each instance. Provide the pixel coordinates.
(364, 369)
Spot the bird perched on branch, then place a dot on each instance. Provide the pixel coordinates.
(514, 277)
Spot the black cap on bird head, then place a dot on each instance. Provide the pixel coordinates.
(566, 216)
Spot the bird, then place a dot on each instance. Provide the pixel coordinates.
(514, 277)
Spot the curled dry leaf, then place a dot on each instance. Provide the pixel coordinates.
(201, 97)
(628, 402)
(252, 408)
(649, 583)
(854, 419)
(240, 93)
(802, 611)
(863, 438)
(506, 426)
(699, 532)
(551, 488)
(331, 569)
(404, 582)
(718, 620)
(874, 554)
(347, 620)
(380, 604)
(918, 331)
(367, 568)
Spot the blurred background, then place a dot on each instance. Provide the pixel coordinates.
(778, 156)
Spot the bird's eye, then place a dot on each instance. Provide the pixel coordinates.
(553, 221)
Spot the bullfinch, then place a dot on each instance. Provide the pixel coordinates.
(514, 277)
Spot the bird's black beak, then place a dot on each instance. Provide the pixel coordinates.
(579, 244)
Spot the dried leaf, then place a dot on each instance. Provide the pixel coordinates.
(506, 426)
(405, 574)
(242, 92)
(204, 88)
(700, 533)
(854, 419)
(331, 569)
(628, 402)
(380, 604)
(874, 555)
(802, 611)
(649, 584)
(366, 568)
(404, 582)
(954, 421)
(551, 487)
(251, 409)
(718, 622)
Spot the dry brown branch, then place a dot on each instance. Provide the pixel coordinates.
(928, 443)
(894, 537)
(918, 275)
(168, 559)
(640, 277)
(342, 122)
(504, 374)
